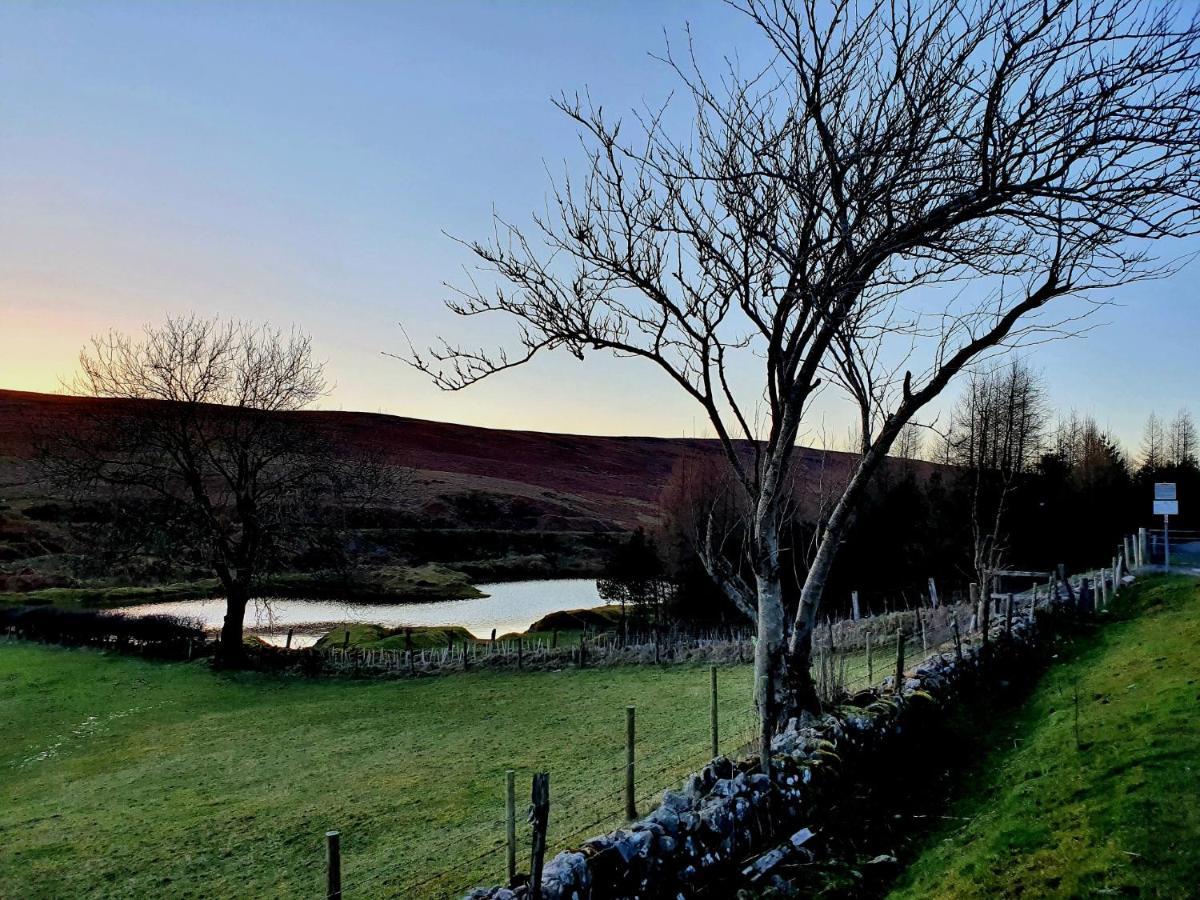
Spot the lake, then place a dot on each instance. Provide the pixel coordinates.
(509, 606)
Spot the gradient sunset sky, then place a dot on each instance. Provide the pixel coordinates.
(298, 163)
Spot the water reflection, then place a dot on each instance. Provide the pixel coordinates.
(509, 606)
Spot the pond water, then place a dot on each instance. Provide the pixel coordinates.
(509, 606)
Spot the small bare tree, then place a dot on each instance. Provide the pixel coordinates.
(903, 188)
(205, 442)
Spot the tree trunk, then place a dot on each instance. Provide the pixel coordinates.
(232, 651)
(771, 681)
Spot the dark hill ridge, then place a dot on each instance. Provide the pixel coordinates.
(617, 481)
(487, 503)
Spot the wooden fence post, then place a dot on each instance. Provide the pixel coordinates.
(492, 648)
(539, 817)
(870, 662)
(854, 605)
(583, 650)
(521, 653)
(346, 639)
(1008, 614)
(333, 865)
(933, 597)
(921, 623)
(1102, 584)
(957, 639)
(1142, 560)
(288, 645)
(976, 612)
(630, 738)
(712, 713)
(899, 685)
(510, 822)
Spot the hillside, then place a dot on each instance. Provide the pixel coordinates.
(490, 502)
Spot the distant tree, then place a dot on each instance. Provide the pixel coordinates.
(637, 580)
(902, 189)
(995, 439)
(204, 450)
(1183, 441)
(1154, 444)
(909, 442)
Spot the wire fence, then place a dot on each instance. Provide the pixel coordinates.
(847, 657)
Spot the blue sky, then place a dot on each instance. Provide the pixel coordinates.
(298, 162)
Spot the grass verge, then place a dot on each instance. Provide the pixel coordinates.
(1095, 796)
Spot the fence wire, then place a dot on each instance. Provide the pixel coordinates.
(848, 657)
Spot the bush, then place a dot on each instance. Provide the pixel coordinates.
(165, 636)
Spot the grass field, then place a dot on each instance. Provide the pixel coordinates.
(1115, 811)
(127, 778)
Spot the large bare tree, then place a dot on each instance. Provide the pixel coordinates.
(902, 189)
(204, 444)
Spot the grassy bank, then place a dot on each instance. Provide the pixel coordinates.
(1099, 802)
(382, 584)
(137, 779)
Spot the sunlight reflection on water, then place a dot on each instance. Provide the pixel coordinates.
(509, 606)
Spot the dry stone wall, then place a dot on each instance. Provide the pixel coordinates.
(729, 811)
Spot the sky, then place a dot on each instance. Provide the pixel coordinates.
(304, 164)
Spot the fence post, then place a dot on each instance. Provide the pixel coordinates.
(1102, 589)
(333, 865)
(921, 622)
(630, 737)
(870, 662)
(957, 638)
(712, 713)
(583, 650)
(976, 612)
(933, 597)
(288, 645)
(1141, 541)
(899, 685)
(1085, 591)
(510, 821)
(521, 653)
(539, 817)
(1008, 614)
(854, 605)
(985, 621)
(346, 639)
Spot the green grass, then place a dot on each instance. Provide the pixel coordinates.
(429, 583)
(128, 778)
(74, 597)
(376, 637)
(1115, 813)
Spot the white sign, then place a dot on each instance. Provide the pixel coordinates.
(1166, 507)
(1165, 490)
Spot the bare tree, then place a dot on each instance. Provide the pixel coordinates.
(996, 436)
(1183, 440)
(1154, 444)
(902, 189)
(909, 442)
(206, 439)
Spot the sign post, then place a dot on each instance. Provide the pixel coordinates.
(1166, 504)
